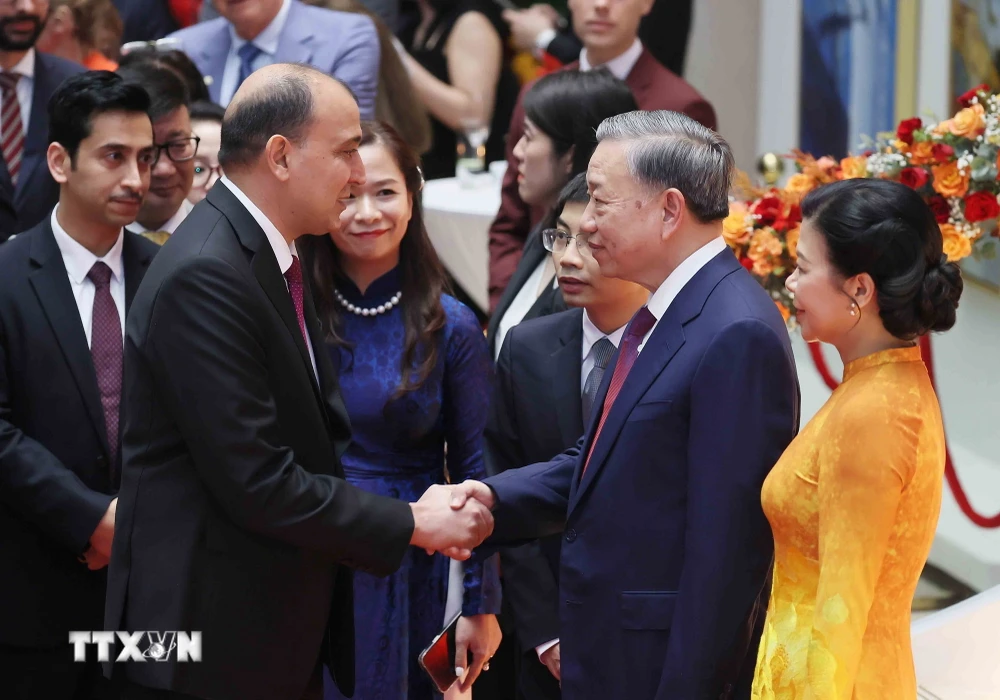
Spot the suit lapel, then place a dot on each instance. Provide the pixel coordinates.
(36, 139)
(564, 374)
(296, 42)
(667, 338)
(214, 53)
(51, 285)
(640, 78)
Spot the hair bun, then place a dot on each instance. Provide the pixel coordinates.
(937, 301)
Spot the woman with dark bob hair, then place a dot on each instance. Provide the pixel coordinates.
(415, 376)
(561, 114)
(854, 500)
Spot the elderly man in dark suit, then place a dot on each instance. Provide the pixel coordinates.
(27, 81)
(609, 32)
(68, 284)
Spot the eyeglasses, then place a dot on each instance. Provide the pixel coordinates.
(203, 174)
(160, 46)
(556, 241)
(179, 151)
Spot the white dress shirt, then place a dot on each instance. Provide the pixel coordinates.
(266, 41)
(283, 251)
(619, 66)
(663, 297)
(172, 223)
(526, 297)
(591, 334)
(78, 261)
(25, 87)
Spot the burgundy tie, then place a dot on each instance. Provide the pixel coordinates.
(637, 329)
(11, 126)
(294, 278)
(106, 351)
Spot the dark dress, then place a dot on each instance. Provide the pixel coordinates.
(440, 160)
(398, 449)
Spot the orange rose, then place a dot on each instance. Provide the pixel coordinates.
(799, 185)
(922, 153)
(792, 243)
(735, 228)
(853, 167)
(949, 181)
(956, 245)
(765, 248)
(969, 123)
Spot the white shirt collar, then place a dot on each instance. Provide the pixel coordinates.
(282, 251)
(267, 40)
(79, 260)
(620, 66)
(172, 223)
(591, 334)
(26, 66)
(665, 294)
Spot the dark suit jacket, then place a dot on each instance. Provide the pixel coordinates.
(654, 88)
(23, 207)
(536, 414)
(233, 517)
(56, 481)
(666, 550)
(145, 20)
(549, 302)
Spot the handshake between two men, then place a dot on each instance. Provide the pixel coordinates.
(453, 519)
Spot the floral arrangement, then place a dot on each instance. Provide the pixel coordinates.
(953, 164)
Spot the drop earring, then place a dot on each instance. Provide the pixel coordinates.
(854, 309)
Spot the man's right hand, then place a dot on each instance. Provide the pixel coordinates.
(104, 535)
(551, 660)
(439, 526)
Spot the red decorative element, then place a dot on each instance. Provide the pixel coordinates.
(768, 209)
(939, 205)
(988, 522)
(906, 128)
(966, 98)
(914, 178)
(980, 206)
(942, 152)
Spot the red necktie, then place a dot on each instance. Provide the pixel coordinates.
(293, 276)
(106, 352)
(637, 329)
(11, 126)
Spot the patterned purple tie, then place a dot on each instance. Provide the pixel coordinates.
(106, 351)
(637, 329)
(293, 276)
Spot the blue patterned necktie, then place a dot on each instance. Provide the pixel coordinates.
(247, 53)
(603, 350)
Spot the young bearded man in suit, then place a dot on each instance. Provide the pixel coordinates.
(666, 552)
(235, 519)
(548, 375)
(27, 81)
(250, 35)
(68, 284)
(609, 32)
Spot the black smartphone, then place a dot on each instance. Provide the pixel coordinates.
(438, 659)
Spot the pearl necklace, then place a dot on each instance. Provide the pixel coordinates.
(380, 309)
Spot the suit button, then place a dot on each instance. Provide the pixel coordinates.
(571, 535)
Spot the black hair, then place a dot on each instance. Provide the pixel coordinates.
(206, 111)
(284, 108)
(179, 62)
(82, 97)
(167, 91)
(574, 191)
(885, 229)
(568, 106)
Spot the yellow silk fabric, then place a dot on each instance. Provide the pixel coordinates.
(853, 504)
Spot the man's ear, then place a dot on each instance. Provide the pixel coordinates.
(672, 209)
(59, 162)
(276, 152)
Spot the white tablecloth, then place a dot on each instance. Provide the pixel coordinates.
(458, 221)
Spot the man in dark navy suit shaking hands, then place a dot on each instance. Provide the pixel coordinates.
(666, 551)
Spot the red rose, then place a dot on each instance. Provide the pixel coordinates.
(942, 152)
(791, 219)
(914, 178)
(747, 263)
(768, 209)
(980, 206)
(939, 205)
(906, 129)
(966, 99)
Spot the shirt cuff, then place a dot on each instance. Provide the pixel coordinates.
(542, 648)
(543, 40)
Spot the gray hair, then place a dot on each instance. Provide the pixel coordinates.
(671, 150)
